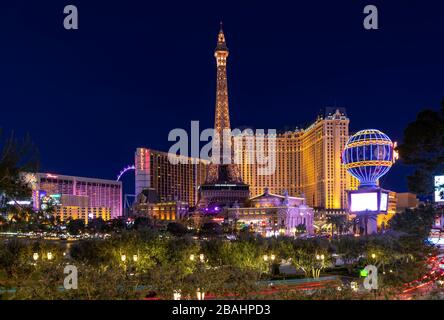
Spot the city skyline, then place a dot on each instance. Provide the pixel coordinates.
(228, 151)
(111, 105)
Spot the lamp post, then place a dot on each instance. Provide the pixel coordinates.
(321, 259)
(123, 259)
(200, 294)
(269, 259)
(177, 294)
(49, 255)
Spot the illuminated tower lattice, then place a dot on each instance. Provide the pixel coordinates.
(222, 170)
(223, 186)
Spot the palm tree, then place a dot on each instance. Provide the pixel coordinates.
(338, 222)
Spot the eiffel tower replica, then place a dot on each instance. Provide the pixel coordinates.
(223, 186)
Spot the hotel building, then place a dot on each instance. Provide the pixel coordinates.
(80, 196)
(170, 181)
(307, 162)
(382, 220)
(271, 214)
(64, 213)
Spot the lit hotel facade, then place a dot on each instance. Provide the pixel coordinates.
(153, 170)
(79, 197)
(308, 163)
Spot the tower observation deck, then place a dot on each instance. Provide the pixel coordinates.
(223, 185)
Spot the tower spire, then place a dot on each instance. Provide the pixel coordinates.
(223, 185)
(223, 170)
(221, 44)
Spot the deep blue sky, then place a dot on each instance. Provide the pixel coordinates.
(136, 69)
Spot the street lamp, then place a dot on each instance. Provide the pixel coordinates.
(320, 257)
(49, 255)
(192, 257)
(200, 294)
(35, 256)
(354, 286)
(265, 257)
(123, 258)
(273, 257)
(373, 256)
(135, 258)
(177, 295)
(201, 257)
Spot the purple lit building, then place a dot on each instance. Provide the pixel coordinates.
(98, 193)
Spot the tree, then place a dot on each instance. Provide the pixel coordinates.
(311, 256)
(96, 225)
(176, 229)
(423, 148)
(115, 225)
(349, 249)
(417, 222)
(142, 223)
(211, 229)
(91, 252)
(75, 226)
(338, 222)
(16, 158)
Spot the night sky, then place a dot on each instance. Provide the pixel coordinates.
(134, 70)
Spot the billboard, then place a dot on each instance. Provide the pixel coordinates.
(368, 201)
(383, 206)
(364, 202)
(439, 189)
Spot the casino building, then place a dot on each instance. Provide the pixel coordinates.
(170, 181)
(271, 214)
(308, 162)
(77, 197)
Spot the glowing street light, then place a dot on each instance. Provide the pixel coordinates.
(192, 257)
(200, 294)
(201, 257)
(49, 255)
(273, 257)
(135, 258)
(265, 257)
(320, 257)
(35, 256)
(354, 286)
(373, 256)
(177, 295)
(123, 258)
